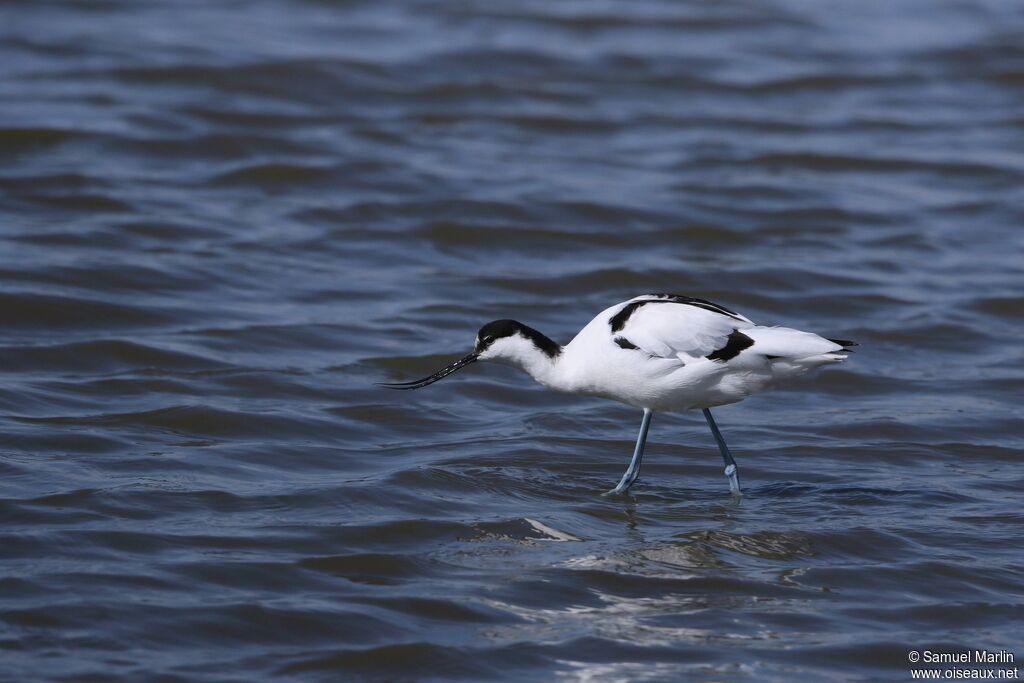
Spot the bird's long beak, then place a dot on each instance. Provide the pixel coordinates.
(430, 379)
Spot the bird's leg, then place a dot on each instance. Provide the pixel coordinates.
(633, 471)
(730, 462)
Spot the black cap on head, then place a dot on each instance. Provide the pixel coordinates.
(498, 329)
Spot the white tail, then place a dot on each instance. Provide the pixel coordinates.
(794, 352)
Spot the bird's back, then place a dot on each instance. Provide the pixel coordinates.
(673, 352)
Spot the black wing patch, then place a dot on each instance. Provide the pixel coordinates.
(737, 342)
(618, 321)
(624, 343)
(699, 303)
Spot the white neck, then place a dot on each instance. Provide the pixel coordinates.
(521, 353)
(542, 367)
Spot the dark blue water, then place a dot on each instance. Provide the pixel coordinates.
(222, 222)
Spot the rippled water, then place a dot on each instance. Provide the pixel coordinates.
(222, 222)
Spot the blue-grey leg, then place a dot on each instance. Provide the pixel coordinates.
(730, 463)
(633, 471)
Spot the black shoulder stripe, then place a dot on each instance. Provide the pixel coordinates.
(737, 342)
(618, 321)
(703, 303)
(624, 343)
(700, 303)
(710, 307)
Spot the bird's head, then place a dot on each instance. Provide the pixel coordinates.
(505, 341)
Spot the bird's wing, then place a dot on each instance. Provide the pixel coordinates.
(672, 326)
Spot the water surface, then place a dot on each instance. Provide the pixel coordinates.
(222, 222)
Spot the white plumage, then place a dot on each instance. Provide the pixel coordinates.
(658, 352)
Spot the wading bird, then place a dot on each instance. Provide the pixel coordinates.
(658, 352)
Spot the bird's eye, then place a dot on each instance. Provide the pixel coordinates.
(488, 340)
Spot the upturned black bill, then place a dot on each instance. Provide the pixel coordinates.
(440, 374)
